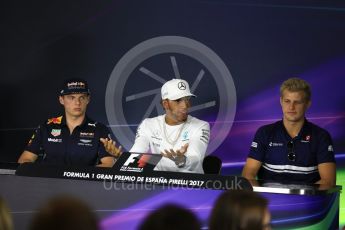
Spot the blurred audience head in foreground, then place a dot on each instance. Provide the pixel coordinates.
(170, 217)
(240, 210)
(5, 216)
(64, 212)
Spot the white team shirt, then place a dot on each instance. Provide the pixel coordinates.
(151, 137)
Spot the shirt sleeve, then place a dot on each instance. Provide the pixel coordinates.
(197, 148)
(258, 146)
(35, 143)
(142, 141)
(325, 152)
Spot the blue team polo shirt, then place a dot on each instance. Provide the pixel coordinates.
(59, 147)
(312, 146)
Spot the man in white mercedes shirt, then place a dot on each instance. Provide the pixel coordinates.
(179, 137)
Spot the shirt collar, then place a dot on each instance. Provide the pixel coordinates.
(303, 133)
(85, 121)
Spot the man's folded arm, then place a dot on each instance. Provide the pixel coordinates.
(251, 168)
(27, 156)
(327, 173)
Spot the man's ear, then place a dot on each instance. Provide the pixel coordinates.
(61, 100)
(88, 99)
(165, 104)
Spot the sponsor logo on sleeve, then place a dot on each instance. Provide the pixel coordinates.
(55, 120)
(330, 148)
(205, 135)
(31, 139)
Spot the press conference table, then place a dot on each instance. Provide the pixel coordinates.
(122, 199)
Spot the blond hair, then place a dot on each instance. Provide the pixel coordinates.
(295, 85)
(5, 216)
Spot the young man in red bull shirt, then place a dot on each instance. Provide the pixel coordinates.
(72, 139)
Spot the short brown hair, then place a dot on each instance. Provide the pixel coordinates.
(170, 217)
(238, 209)
(64, 212)
(295, 85)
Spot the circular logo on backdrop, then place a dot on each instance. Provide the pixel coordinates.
(133, 89)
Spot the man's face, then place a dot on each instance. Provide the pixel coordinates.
(176, 110)
(294, 105)
(75, 104)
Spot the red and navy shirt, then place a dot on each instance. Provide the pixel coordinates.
(82, 147)
(311, 147)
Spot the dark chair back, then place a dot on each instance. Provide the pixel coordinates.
(212, 165)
